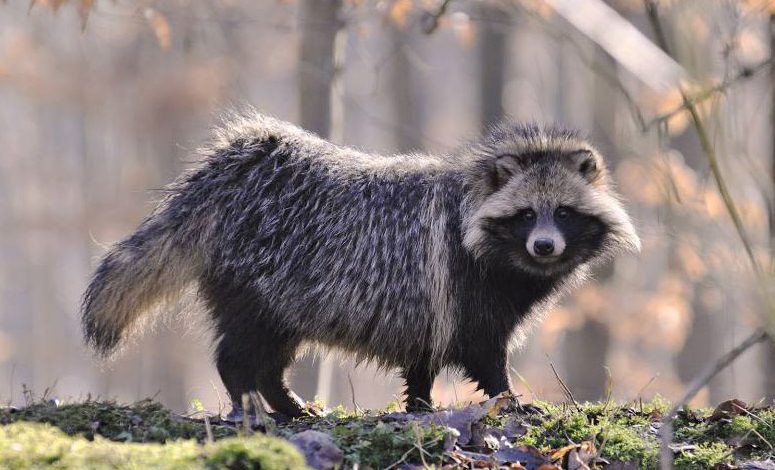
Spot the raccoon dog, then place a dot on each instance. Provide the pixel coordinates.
(414, 262)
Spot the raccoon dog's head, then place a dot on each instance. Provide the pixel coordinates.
(540, 200)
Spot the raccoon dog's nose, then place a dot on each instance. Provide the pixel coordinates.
(544, 246)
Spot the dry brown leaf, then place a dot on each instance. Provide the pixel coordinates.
(160, 27)
(497, 404)
(575, 456)
(728, 409)
(399, 11)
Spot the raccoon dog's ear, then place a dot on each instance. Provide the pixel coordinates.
(504, 167)
(587, 163)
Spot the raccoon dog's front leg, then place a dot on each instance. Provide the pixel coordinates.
(419, 380)
(487, 364)
(249, 362)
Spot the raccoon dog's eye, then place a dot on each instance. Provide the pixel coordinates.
(527, 215)
(562, 213)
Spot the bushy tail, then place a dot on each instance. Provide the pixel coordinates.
(151, 266)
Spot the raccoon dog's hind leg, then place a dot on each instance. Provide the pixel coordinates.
(252, 353)
(255, 360)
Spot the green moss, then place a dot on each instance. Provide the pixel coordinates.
(657, 406)
(257, 452)
(384, 444)
(35, 445)
(703, 456)
(620, 433)
(144, 421)
(624, 444)
(144, 435)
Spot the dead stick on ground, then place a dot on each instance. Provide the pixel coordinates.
(246, 428)
(565, 388)
(666, 457)
(208, 428)
(356, 408)
(707, 375)
(262, 414)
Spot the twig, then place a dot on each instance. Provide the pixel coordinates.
(524, 382)
(705, 142)
(609, 387)
(639, 395)
(418, 444)
(431, 20)
(406, 454)
(610, 77)
(722, 86)
(200, 410)
(565, 388)
(757, 336)
(352, 394)
(261, 413)
(246, 430)
(208, 428)
(706, 376)
(710, 371)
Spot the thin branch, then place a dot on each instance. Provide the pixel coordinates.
(757, 336)
(705, 142)
(356, 408)
(262, 414)
(565, 388)
(711, 370)
(246, 427)
(431, 21)
(706, 376)
(744, 73)
(561, 35)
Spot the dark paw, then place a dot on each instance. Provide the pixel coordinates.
(236, 417)
(419, 405)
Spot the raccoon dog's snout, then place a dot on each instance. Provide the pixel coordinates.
(543, 246)
(545, 243)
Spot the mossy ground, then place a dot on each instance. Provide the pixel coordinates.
(99, 434)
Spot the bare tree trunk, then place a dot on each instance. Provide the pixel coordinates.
(493, 57)
(320, 23)
(404, 100)
(585, 350)
(768, 353)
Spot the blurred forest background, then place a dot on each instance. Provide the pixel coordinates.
(101, 103)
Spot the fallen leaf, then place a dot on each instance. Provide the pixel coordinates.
(526, 456)
(576, 456)
(728, 409)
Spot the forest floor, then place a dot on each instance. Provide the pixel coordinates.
(492, 434)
